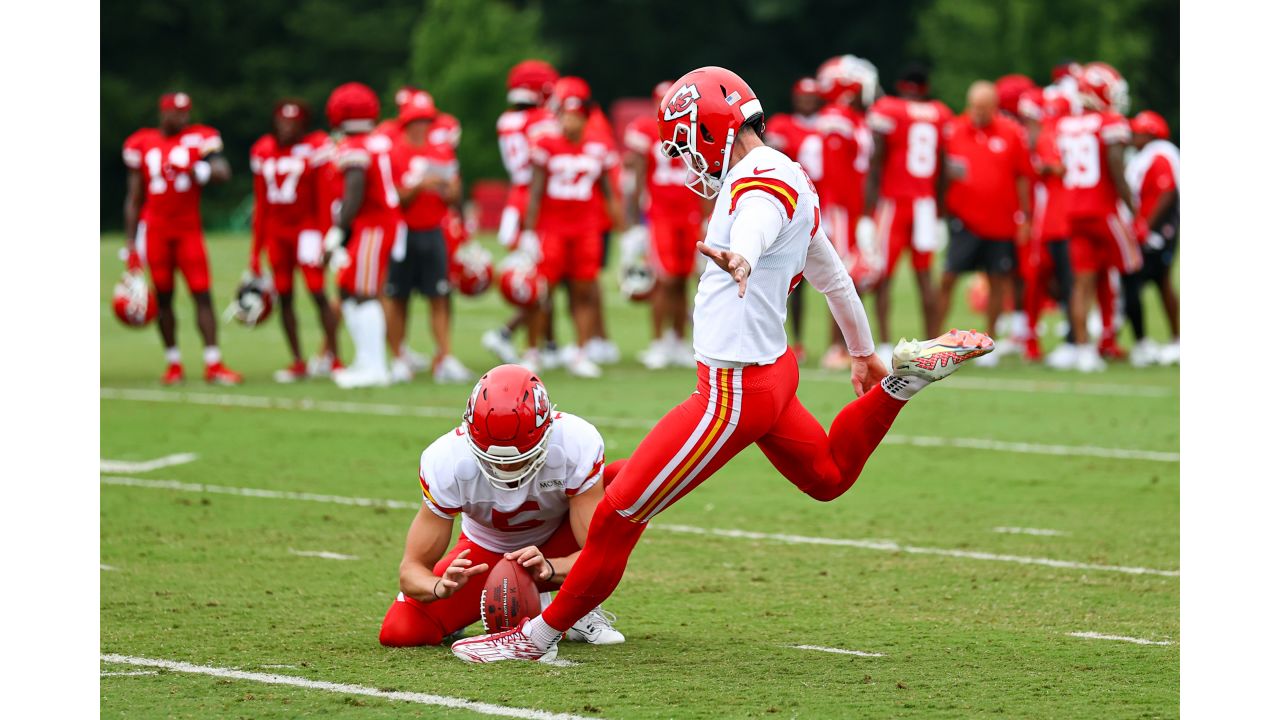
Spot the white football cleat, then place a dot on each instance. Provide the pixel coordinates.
(603, 352)
(655, 357)
(417, 361)
(1170, 354)
(989, 360)
(935, 359)
(358, 377)
(1144, 353)
(320, 366)
(596, 628)
(1062, 357)
(582, 366)
(531, 361)
(552, 357)
(401, 370)
(450, 370)
(498, 343)
(1089, 360)
(514, 644)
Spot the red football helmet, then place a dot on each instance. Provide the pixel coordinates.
(1102, 87)
(1009, 90)
(660, 90)
(530, 82)
(846, 75)
(1149, 122)
(471, 269)
(519, 281)
(404, 93)
(133, 301)
(699, 118)
(806, 86)
(352, 103)
(418, 106)
(253, 302)
(508, 426)
(571, 93)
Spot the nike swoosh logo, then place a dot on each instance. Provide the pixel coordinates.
(758, 171)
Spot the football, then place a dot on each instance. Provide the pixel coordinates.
(510, 595)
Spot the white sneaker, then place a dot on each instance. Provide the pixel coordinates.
(514, 644)
(596, 628)
(581, 366)
(681, 354)
(496, 342)
(358, 377)
(401, 370)
(552, 358)
(1144, 353)
(1088, 360)
(1063, 357)
(451, 370)
(655, 357)
(933, 360)
(417, 361)
(531, 361)
(603, 352)
(1170, 354)
(989, 360)
(320, 366)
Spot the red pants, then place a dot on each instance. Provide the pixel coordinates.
(895, 223)
(370, 250)
(1101, 242)
(570, 256)
(675, 243)
(165, 250)
(409, 622)
(282, 253)
(730, 410)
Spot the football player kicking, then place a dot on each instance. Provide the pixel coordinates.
(763, 237)
(526, 480)
(168, 166)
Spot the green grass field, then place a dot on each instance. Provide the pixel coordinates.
(966, 621)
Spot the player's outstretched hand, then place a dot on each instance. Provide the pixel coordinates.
(457, 574)
(531, 559)
(866, 373)
(730, 262)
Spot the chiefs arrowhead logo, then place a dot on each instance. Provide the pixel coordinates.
(682, 102)
(541, 405)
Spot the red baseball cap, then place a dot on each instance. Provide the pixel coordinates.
(571, 93)
(292, 110)
(418, 106)
(806, 86)
(175, 101)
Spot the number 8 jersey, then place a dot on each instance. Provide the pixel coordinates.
(912, 131)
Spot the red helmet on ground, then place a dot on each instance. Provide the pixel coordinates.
(352, 103)
(471, 269)
(1009, 89)
(519, 281)
(571, 93)
(848, 75)
(1102, 87)
(660, 90)
(530, 82)
(1149, 122)
(253, 302)
(133, 301)
(699, 118)
(508, 425)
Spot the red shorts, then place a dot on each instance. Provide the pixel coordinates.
(163, 250)
(282, 253)
(674, 241)
(1098, 243)
(895, 222)
(572, 256)
(370, 251)
(410, 623)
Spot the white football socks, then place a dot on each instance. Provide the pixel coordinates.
(903, 388)
(172, 356)
(542, 634)
(352, 316)
(212, 356)
(375, 327)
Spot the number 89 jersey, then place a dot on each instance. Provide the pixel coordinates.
(1082, 142)
(506, 520)
(573, 172)
(168, 175)
(912, 131)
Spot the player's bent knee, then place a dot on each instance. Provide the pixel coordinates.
(408, 626)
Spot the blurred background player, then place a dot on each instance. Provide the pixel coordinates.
(1092, 146)
(988, 200)
(600, 349)
(428, 183)
(288, 220)
(559, 227)
(525, 480)
(675, 226)
(848, 85)
(905, 185)
(1152, 176)
(794, 135)
(529, 86)
(167, 168)
(366, 228)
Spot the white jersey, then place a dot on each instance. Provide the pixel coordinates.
(507, 520)
(752, 329)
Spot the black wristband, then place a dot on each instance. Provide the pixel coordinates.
(552, 576)
(434, 594)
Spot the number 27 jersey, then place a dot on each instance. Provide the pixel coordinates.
(912, 131)
(573, 173)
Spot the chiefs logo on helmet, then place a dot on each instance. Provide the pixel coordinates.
(682, 102)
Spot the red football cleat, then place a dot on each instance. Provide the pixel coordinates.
(292, 374)
(1032, 351)
(1109, 349)
(219, 374)
(173, 375)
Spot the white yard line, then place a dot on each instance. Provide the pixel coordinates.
(107, 567)
(128, 466)
(837, 651)
(359, 408)
(1028, 531)
(890, 546)
(322, 554)
(1027, 386)
(882, 545)
(1121, 638)
(130, 673)
(342, 688)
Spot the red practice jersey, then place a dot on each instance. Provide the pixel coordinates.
(1154, 175)
(286, 182)
(409, 164)
(664, 176)
(600, 130)
(912, 131)
(573, 171)
(796, 137)
(1083, 141)
(847, 144)
(372, 153)
(518, 130)
(990, 160)
(166, 163)
(1050, 219)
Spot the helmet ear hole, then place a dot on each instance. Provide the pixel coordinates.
(706, 134)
